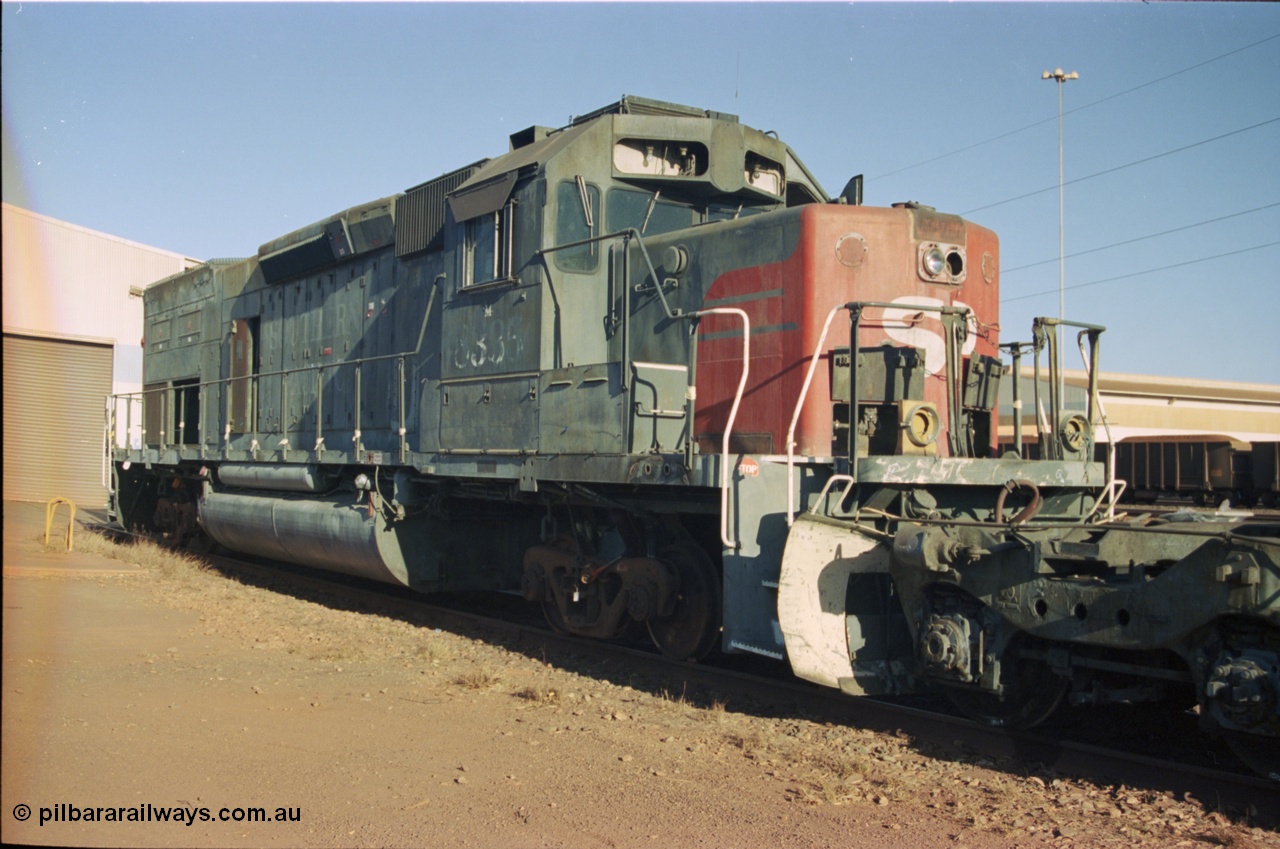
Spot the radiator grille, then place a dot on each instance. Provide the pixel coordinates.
(420, 212)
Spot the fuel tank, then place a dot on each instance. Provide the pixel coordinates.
(334, 534)
(281, 478)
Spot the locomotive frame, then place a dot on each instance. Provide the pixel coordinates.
(614, 345)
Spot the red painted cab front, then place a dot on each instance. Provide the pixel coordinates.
(829, 255)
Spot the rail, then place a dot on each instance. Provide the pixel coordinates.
(855, 309)
(1050, 432)
(725, 472)
(626, 234)
(795, 416)
(167, 408)
(1090, 361)
(1111, 492)
(659, 284)
(848, 480)
(247, 408)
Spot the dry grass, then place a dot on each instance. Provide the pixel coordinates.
(665, 695)
(832, 778)
(539, 694)
(678, 704)
(753, 743)
(825, 774)
(831, 763)
(169, 563)
(435, 651)
(478, 679)
(826, 790)
(840, 785)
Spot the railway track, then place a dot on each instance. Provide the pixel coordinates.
(743, 680)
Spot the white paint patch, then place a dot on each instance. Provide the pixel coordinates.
(927, 333)
(816, 564)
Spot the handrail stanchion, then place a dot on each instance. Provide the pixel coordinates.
(856, 307)
(254, 389)
(404, 446)
(166, 402)
(108, 440)
(795, 416)
(226, 429)
(725, 474)
(359, 447)
(319, 450)
(284, 411)
(180, 431)
(200, 407)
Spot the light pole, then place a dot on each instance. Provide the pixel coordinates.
(1061, 79)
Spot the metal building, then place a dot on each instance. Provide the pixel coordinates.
(72, 336)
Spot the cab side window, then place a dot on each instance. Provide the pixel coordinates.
(488, 246)
(646, 212)
(577, 218)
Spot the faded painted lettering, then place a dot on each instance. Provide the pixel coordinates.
(491, 343)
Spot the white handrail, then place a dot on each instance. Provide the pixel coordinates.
(733, 414)
(1110, 479)
(1109, 497)
(795, 417)
(849, 481)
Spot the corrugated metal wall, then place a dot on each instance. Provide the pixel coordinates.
(53, 419)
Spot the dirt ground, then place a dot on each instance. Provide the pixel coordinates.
(141, 685)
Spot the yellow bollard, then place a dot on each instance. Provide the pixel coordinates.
(51, 510)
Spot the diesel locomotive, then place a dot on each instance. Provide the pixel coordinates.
(643, 370)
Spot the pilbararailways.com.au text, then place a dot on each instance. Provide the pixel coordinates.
(187, 815)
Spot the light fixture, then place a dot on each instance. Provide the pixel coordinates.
(933, 262)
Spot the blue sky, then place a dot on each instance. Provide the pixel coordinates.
(210, 129)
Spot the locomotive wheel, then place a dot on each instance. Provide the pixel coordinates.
(555, 620)
(1260, 754)
(692, 629)
(1032, 693)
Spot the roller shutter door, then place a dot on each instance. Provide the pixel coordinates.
(54, 393)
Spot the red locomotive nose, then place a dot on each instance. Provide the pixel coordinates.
(842, 254)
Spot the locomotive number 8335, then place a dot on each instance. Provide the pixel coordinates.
(645, 371)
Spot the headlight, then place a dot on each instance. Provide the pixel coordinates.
(933, 262)
(941, 263)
